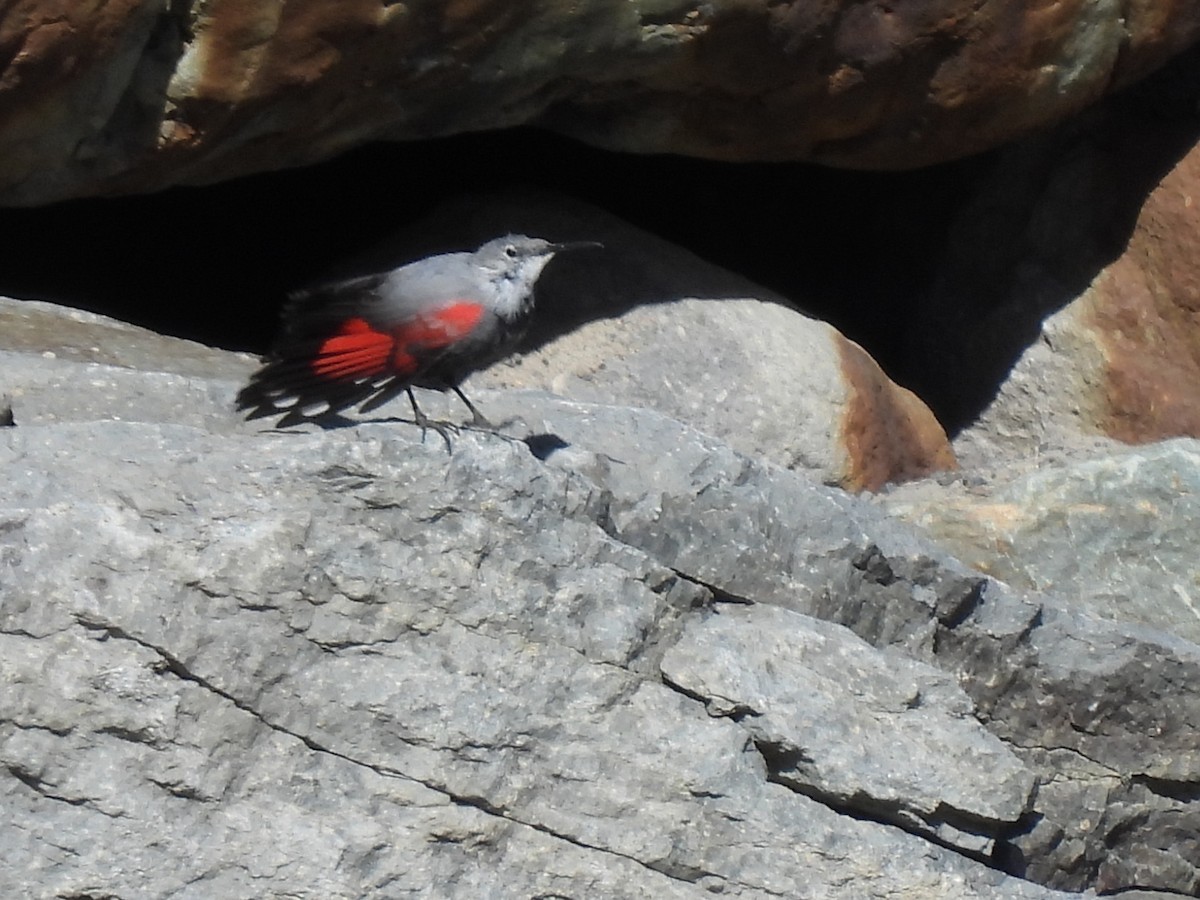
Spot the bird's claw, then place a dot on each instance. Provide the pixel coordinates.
(442, 427)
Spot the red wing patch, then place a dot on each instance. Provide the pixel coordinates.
(356, 351)
(436, 330)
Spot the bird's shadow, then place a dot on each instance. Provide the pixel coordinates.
(542, 444)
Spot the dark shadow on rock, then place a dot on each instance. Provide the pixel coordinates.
(543, 445)
(334, 421)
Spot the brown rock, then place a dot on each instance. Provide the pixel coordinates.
(1144, 313)
(65, 85)
(129, 96)
(888, 434)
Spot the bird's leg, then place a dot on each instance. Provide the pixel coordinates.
(478, 419)
(425, 423)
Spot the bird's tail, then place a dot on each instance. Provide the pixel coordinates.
(307, 377)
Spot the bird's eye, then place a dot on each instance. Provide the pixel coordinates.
(510, 250)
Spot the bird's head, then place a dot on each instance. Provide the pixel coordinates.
(516, 257)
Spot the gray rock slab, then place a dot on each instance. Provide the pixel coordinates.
(52, 331)
(855, 726)
(347, 663)
(239, 661)
(773, 383)
(1044, 674)
(46, 390)
(739, 364)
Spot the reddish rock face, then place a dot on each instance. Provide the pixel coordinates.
(886, 84)
(63, 67)
(1145, 313)
(127, 96)
(888, 434)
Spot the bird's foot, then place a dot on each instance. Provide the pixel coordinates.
(442, 427)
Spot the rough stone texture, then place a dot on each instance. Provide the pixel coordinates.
(346, 663)
(1071, 287)
(1114, 534)
(105, 97)
(436, 675)
(850, 725)
(1056, 684)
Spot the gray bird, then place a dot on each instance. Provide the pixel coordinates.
(427, 324)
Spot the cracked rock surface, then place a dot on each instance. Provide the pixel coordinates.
(345, 663)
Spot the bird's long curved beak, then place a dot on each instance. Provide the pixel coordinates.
(577, 245)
